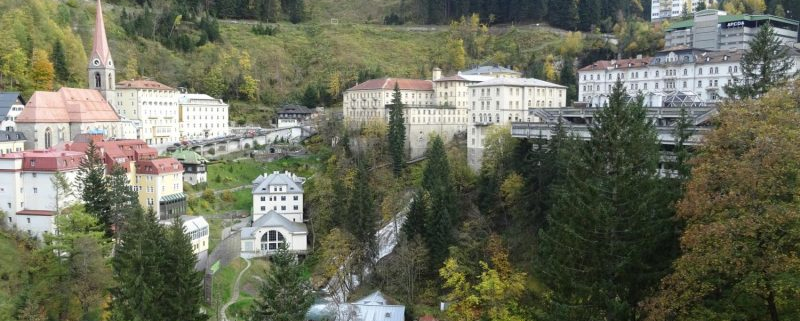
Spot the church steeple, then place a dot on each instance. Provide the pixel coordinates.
(101, 67)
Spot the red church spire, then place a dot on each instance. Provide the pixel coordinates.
(100, 49)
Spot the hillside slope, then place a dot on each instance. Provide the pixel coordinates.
(11, 256)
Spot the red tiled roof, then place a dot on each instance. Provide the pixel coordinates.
(389, 83)
(159, 166)
(129, 149)
(67, 105)
(47, 160)
(620, 64)
(427, 318)
(142, 84)
(36, 213)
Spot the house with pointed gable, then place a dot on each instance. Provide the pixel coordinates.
(277, 216)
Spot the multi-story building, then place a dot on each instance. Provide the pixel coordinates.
(501, 101)
(277, 216)
(194, 166)
(278, 192)
(11, 142)
(717, 30)
(492, 71)
(154, 107)
(293, 116)
(367, 101)
(11, 105)
(691, 72)
(196, 227)
(202, 117)
(28, 196)
(668, 9)
(159, 183)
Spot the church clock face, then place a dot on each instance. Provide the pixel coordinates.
(96, 62)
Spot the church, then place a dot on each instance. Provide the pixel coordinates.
(51, 118)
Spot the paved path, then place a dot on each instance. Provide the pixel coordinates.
(235, 293)
(220, 191)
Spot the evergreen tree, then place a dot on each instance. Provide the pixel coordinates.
(126, 200)
(602, 249)
(765, 65)
(59, 59)
(563, 14)
(94, 187)
(589, 12)
(138, 268)
(397, 133)
(535, 68)
(285, 294)
(362, 218)
(415, 221)
(183, 285)
(443, 211)
(568, 77)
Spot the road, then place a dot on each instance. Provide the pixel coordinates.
(235, 292)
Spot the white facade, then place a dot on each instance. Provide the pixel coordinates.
(154, 106)
(28, 196)
(502, 101)
(11, 105)
(278, 192)
(668, 9)
(367, 101)
(696, 72)
(202, 117)
(196, 227)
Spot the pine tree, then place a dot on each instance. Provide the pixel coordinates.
(94, 187)
(126, 200)
(765, 65)
(568, 77)
(601, 250)
(589, 12)
(362, 218)
(443, 212)
(139, 271)
(182, 283)
(563, 14)
(59, 58)
(285, 294)
(397, 133)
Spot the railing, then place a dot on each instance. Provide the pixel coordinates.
(666, 134)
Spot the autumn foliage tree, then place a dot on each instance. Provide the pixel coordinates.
(742, 213)
(42, 71)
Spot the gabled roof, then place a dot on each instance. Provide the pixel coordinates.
(143, 84)
(376, 307)
(273, 219)
(462, 77)
(389, 84)
(67, 105)
(6, 136)
(487, 70)
(618, 64)
(188, 156)
(8, 99)
(526, 82)
(291, 181)
(294, 109)
(159, 166)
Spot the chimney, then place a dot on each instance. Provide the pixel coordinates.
(437, 73)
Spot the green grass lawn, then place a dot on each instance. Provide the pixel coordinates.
(10, 270)
(225, 175)
(224, 281)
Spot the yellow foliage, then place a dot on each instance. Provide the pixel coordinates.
(42, 72)
(550, 68)
(572, 45)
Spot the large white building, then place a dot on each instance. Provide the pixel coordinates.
(717, 30)
(202, 117)
(28, 196)
(699, 74)
(277, 216)
(502, 101)
(154, 108)
(11, 105)
(668, 9)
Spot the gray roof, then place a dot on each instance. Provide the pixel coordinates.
(8, 99)
(293, 183)
(483, 70)
(375, 307)
(273, 219)
(6, 136)
(294, 109)
(529, 82)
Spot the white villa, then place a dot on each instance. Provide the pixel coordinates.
(202, 117)
(277, 216)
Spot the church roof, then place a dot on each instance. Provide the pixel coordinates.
(100, 49)
(273, 219)
(67, 105)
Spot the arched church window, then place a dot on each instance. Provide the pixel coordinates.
(272, 240)
(48, 138)
(97, 79)
(110, 81)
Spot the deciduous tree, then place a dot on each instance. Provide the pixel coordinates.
(42, 72)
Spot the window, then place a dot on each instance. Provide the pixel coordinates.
(296, 197)
(283, 198)
(283, 208)
(295, 207)
(263, 198)
(97, 79)
(28, 219)
(35, 190)
(271, 240)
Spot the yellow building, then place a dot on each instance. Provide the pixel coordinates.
(11, 142)
(159, 183)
